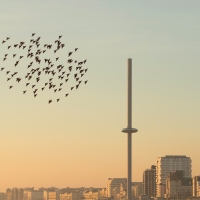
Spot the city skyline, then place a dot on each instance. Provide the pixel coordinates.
(171, 172)
(78, 142)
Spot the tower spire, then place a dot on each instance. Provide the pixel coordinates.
(129, 130)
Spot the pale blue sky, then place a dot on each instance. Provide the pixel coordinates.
(79, 141)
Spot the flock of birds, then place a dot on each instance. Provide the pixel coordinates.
(60, 72)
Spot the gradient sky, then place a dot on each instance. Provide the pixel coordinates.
(78, 141)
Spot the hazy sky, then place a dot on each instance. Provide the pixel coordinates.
(78, 141)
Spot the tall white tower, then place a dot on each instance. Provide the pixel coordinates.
(129, 130)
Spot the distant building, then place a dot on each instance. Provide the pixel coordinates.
(161, 190)
(70, 196)
(136, 189)
(35, 195)
(8, 195)
(149, 182)
(113, 185)
(178, 186)
(20, 193)
(25, 193)
(2, 196)
(171, 163)
(14, 194)
(196, 186)
(51, 194)
(95, 194)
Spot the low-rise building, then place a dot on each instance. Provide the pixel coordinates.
(70, 196)
(177, 186)
(95, 194)
(2, 196)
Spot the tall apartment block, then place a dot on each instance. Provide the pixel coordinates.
(149, 182)
(196, 186)
(167, 164)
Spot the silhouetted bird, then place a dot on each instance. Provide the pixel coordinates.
(2, 69)
(27, 84)
(70, 53)
(33, 86)
(76, 49)
(33, 34)
(10, 87)
(58, 100)
(72, 88)
(24, 91)
(57, 58)
(86, 82)
(50, 101)
(9, 47)
(16, 63)
(14, 55)
(3, 41)
(7, 38)
(7, 72)
(35, 91)
(18, 80)
(66, 95)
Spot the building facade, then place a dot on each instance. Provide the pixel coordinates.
(196, 186)
(149, 182)
(137, 189)
(171, 163)
(113, 185)
(177, 186)
(70, 196)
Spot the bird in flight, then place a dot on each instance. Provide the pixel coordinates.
(36, 52)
